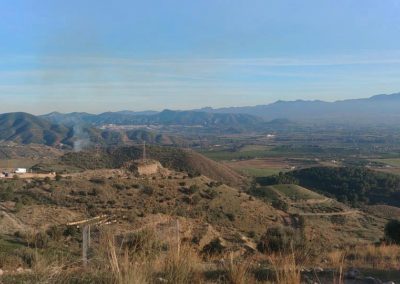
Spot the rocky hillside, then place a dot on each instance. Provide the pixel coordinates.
(173, 158)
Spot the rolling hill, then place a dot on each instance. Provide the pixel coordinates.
(173, 158)
(24, 128)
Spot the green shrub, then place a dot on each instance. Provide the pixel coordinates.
(280, 205)
(98, 180)
(230, 216)
(58, 177)
(142, 242)
(280, 239)
(338, 219)
(215, 247)
(55, 232)
(148, 190)
(392, 231)
(6, 194)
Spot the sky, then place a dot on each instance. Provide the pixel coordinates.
(97, 55)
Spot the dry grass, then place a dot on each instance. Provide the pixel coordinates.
(181, 265)
(384, 257)
(286, 270)
(337, 262)
(238, 272)
(126, 271)
(45, 270)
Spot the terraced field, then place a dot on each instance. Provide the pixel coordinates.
(296, 193)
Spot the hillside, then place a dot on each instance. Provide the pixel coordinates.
(167, 212)
(173, 158)
(25, 128)
(354, 185)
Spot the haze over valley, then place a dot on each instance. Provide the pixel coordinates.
(226, 142)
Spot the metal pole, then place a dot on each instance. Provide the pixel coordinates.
(178, 237)
(84, 245)
(88, 236)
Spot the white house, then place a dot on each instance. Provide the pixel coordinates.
(20, 171)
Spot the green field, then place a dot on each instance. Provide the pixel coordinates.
(260, 172)
(237, 155)
(251, 148)
(295, 192)
(390, 162)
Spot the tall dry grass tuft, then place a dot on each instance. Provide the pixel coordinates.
(45, 270)
(238, 272)
(285, 268)
(125, 269)
(181, 266)
(337, 261)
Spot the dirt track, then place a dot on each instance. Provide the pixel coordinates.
(350, 212)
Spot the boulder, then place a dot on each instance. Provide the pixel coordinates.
(371, 280)
(352, 273)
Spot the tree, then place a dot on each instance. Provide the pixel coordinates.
(392, 231)
(58, 177)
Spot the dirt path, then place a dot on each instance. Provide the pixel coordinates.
(311, 201)
(349, 212)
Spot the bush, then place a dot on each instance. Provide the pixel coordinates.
(392, 231)
(58, 177)
(279, 239)
(41, 240)
(142, 242)
(281, 205)
(97, 180)
(338, 219)
(6, 194)
(191, 190)
(209, 193)
(55, 232)
(72, 231)
(119, 186)
(215, 247)
(148, 190)
(230, 216)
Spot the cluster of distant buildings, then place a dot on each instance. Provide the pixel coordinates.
(17, 171)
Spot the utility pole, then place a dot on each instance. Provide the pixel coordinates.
(144, 150)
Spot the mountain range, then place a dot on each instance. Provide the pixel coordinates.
(376, 109)
(77, 129)
(165, 117)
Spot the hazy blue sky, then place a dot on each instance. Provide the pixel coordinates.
(94, 55)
